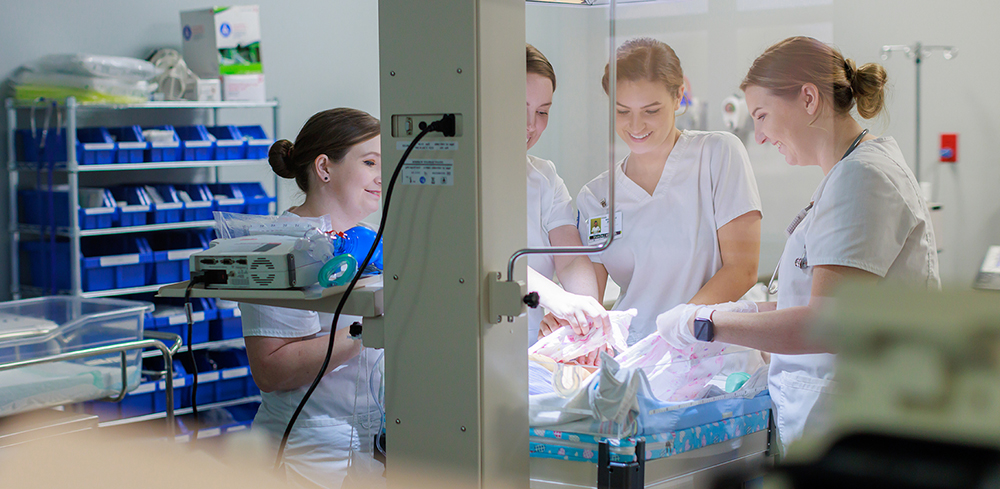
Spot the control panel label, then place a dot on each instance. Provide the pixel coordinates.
(429, 146)
(428, 172)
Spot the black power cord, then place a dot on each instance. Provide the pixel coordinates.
(446, 126)
(195, 279)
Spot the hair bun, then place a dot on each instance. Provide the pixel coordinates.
(279, 157)
(850, 70)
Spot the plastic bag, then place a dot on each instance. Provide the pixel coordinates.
(564, 345)
(106, 86)
(234, 225)
(91, 65)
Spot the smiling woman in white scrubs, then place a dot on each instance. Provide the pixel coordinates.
(336, 161)
(552, 222)
(686, 202)
(866, 221)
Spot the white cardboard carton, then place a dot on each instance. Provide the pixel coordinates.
(222, 41)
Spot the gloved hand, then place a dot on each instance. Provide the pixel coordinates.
(581, 312)
(676, 326)
(738, 306)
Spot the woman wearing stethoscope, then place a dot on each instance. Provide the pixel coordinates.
(687, 209)
(866, 221)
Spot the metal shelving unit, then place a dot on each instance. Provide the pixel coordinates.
(64, 231)
(71, 171)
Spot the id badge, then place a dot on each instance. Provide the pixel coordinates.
(600, 226)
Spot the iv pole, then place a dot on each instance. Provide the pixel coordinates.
(917, 52)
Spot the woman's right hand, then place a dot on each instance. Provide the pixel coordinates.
(550, 324)
(580, 312)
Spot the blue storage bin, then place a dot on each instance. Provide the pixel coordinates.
(228, 197)
(114, 262)
(243, 416)
(108, 262)
(94, 145)
(196, 144)
(130, 144)
(37, 266)
(138, 402)
(167, 150)
(229, 144)
(166, 205)
(33, 208)
(203, 311)
(26, 144)
(198, 201)
(171, 252)
(228, 323)
(257, 200)
(133, 205)
(182, 381)
(235, 380)
(258, 143)
(208, 376)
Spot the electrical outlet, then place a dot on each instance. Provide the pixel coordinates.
(408, 125)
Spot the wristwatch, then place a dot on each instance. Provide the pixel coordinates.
(704, 328)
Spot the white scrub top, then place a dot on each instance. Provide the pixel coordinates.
(668, 245)
(549, 206)
(868, 214)
(327, 431)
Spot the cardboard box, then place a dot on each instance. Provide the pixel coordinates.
(208, 90)
(222, 41)
(244, 88)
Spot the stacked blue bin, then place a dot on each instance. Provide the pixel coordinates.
(27, 145)
(33, 208)
(198, 201)
(228, 323)
(134, 205)
(171, 251)
(174, 320)
(258, 143)
(167, 206)
(107, 263)
(165, 149)
(229, 144)
(256, 199)
(131, 146)
(228, 197)
(196, 143)
(94, 146)
(223, 375)
(114, 262)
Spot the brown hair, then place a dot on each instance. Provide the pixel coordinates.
(332, 132)
(644, 58)
(791, 63)
(539, 64)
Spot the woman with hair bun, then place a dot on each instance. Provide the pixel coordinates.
(336, 160)
(867, 220)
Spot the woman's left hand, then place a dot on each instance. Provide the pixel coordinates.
(676, 326)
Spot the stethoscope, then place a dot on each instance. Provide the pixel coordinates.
(801, 262)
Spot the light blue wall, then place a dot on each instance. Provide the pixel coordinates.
(316, 55)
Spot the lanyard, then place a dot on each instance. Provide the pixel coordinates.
(771, 289)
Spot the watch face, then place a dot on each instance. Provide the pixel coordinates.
(704, 329)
